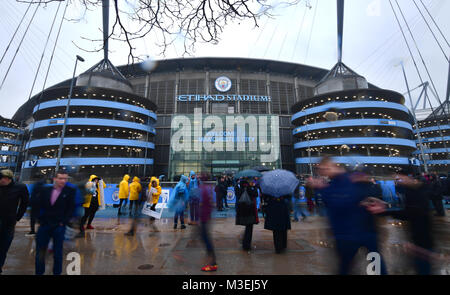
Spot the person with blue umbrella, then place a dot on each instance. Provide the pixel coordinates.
(277, 187)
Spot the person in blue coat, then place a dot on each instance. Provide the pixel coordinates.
(178, 200)
(349, 214)
(194, 198)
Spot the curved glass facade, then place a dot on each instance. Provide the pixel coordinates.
(366, 127)
(108, 132)
(11, 137)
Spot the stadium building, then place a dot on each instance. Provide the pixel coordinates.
(355, 124)
(213, 115)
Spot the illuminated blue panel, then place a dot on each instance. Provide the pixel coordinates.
(89, 161)
(436, 162)
(6, 164)
(93, 122)
(350, 105)
(95, 103)
(90, 141)
(434, 128)
(9, 141)
(9, 153)
(358, 159)
(356, 140)
(355, 122)
(431, 139)
(433, 151)
(11, 130)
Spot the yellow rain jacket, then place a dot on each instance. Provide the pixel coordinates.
(87, 201)
(124, 189)
(135, 189)
(155, 196)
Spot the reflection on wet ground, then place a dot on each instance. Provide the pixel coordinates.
(106, 250)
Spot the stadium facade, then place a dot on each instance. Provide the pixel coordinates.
(211, 115)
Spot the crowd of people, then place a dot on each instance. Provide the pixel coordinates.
(352, 201)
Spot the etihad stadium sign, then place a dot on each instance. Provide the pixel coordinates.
(223, 97)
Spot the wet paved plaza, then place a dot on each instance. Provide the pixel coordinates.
(105, 250)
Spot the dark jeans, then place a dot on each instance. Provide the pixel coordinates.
(6, 237)
(225, 201)
(180, 213)
(43, 236)
(438, 206)
(206, 238)
(347, 249)
(219, 201)
(194, 206)
(280, 240)
(89, 214)
(122, 201)
(134, 204)
(247, 242)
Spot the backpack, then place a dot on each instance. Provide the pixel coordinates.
(245, 199)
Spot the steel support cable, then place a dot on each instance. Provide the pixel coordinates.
(311, 31)
(420, 53)
(44, 84)
(407, 43)
(18, 47)
(299, 32)
(434, 36)
(293, 12)
(43, 51)
(432, 18)
(15, 32)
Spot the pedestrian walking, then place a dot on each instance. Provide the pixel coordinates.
(246, 210)
(178, 201)
(92, 201)
(36, 190)
(436, 195)
(417, 212)
(135, 190)
(154, 194)
(278, 220)
(206, 206)
(194, 198)
(56, 205)
(349, 214)
(297, 204)
(124, 191)
(14, 198)
(221, 194)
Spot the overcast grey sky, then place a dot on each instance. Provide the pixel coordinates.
(373, 44)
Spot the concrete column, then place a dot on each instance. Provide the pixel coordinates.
(207, 89)
(177, 83)
(238, 90)
(269, 105)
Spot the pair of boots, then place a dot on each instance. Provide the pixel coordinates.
(182, 226)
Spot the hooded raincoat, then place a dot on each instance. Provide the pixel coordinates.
(155, 196)
(193, 187)
(179, 195)
(135, 189)
(89, 185)
(124, 189)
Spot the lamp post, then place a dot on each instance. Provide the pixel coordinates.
(79, 58)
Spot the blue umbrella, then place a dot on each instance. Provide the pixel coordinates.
(248, 173)
(277, 183)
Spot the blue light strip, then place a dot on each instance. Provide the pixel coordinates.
(432, 139)
(432, 151)
(351, 123)
(9, 153)
(356, 141)
(90, 141)
(93, 122)
(7, 164)
(89, 162)
(95, 103)
(350, 105)
(11, 130)
(359, 159)
(438, 162)
(433, 128)
(9, 141)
